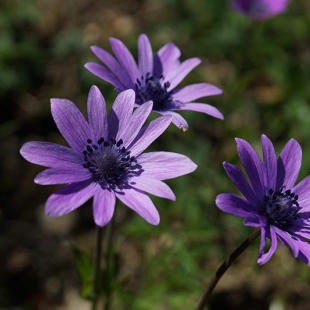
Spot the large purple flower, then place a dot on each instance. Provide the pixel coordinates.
(154, 78)
(105, 158)
(272, 200)
(260, 9)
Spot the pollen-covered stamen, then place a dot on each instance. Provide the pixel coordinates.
(152, 88)
(110, 163)
(281, 207)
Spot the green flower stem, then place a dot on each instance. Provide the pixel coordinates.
(108, 247)
(223, 268)
(97, 258)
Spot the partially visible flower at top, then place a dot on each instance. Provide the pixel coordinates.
(105, 158)
(260, 9)
(154, 78)
(272, 200)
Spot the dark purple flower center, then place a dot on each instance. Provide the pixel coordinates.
(281, 207)
(110, 163)
(153, 88)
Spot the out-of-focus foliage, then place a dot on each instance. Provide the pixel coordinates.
(264, 71)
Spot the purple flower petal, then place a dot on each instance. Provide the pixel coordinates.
(104, 74)
(113, 66)
(141, 204)
(253, 167)
(288, 240)
(148, 134)
(302, 189)
(145, 55)
(203, 108)
(236, 175)
(103, 206)
(71, 123)
(121, 113)
(137, 120)
(176, 76)
(233, 204)
(270, 162)
(152, 186)
(289, 163)
(254, 220)
(177, 119)
(62, 176)
(165, 165)
(263, 256)
(50, 154)
(125, 59)
(166, 59)
(195, 91)
(69, 198)
(259, 9)
(97, 113)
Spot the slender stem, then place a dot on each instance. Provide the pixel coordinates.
(108, 247)
(97, 258)
(222, 269)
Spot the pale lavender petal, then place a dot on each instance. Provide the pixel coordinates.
(145, 55)
(137, 120)
(301, 225)
(237, 176)
(304, 250)
(97, 113)
(254, 220)
(125, 58)
(166, 59)
(69, 198)
(152, 186)
(71, 123)
(148, 134)
(50, 154)
(302, 189)
(233, 204)
(253, 167)
(177, 119)
(103, 206)
(165, 165)
(288, 240)
(103, 73)
(195, 91)
(289, 163)
(141, 204)
(270, 162)
(113, 66)
(263, 256)
(177, 75)
(121, 112)
(62, 176)
(203, 108)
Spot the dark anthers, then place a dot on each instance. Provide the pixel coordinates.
(152, 88)
(281, 207)
(110, 163)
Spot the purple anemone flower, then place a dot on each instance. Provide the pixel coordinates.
(260, 9)
(154, 78)
(105, 158)
(272, 200)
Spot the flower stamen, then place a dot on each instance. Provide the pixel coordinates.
(110, 163)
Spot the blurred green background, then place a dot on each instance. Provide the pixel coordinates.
(264, 71)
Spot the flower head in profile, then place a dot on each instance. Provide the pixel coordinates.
(105, 159)
(272, 200)
(260, 9)
(154, 78)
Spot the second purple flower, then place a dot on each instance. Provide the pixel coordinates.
(154, 78)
